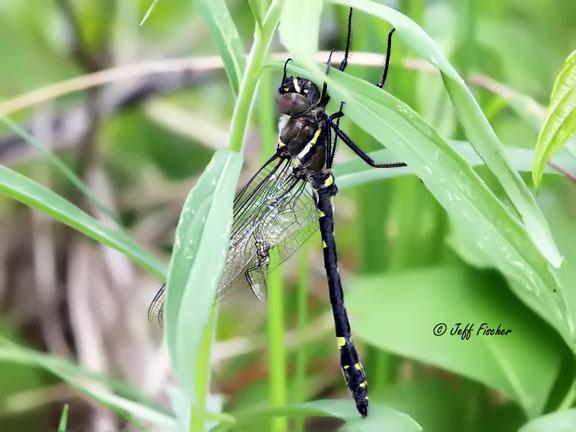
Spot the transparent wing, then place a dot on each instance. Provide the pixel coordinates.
(156, 308)
(274, 209)
(281, 214)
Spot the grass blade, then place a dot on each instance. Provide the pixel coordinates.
(63, 423)
(477, 128)
(149, 12)
(224, 32)
(36, 196)
(60, 166)
(354, 172)
(200, 246)
(560, 123)
(85, 383)
(299, 27)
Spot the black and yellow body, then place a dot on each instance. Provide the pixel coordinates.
(306, 139)
(349, 362)
(288, 199)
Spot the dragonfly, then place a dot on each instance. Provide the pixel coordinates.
(289, 199)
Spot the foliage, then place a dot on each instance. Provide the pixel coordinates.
(455, 237)
(560, 123)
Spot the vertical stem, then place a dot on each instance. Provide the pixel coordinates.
(198, 410)
(301, 318)
(276, 331)
(468, 50)
(276, 347)
(260, 47)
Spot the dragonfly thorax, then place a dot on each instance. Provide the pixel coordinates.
(303, 140)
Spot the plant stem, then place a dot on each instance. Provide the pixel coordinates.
(246, 93)
(301, 318)
(198, 409)
(276, 347)
(276, 330)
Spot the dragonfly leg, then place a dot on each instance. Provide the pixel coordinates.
(324, 98)
(344, 61)
(381, 83)
(332, 147)
(361, 153)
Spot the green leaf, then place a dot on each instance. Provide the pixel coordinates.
(36, 196)
(200, 246)
(85, 381)
(563, 421)
(380, 417)
(299, 27)
(149, 12)
(398, 313)
(224, 32)
(355, 172)
(477, 128)
(487, 224)
(258, 9)
(63, 423)
(560, 123)
(58, 165)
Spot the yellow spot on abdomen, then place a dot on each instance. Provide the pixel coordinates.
(341, 341)
(358, 366)
(363, 384)
(324, 245)
(329, 181)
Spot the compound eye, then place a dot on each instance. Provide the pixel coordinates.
(292, 103)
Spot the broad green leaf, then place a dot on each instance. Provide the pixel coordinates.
(380, 417)
(399, 312)
(200, 247)
(63, 423)
(475, 211)
(224, 32)
(560, 123)
(355, 172)
(85, 382)
(36, 196)
(299, 27)
(442, 405)
(562, 421)
(477, 128)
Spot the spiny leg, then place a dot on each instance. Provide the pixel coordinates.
(387, 62)
(344, 61)
(285, 71)
(324, 98)
(349, 361)
(336, 116)
(361, 153)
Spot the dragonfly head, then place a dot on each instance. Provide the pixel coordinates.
(296, 94)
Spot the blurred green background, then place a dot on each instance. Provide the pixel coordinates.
(141, 139)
